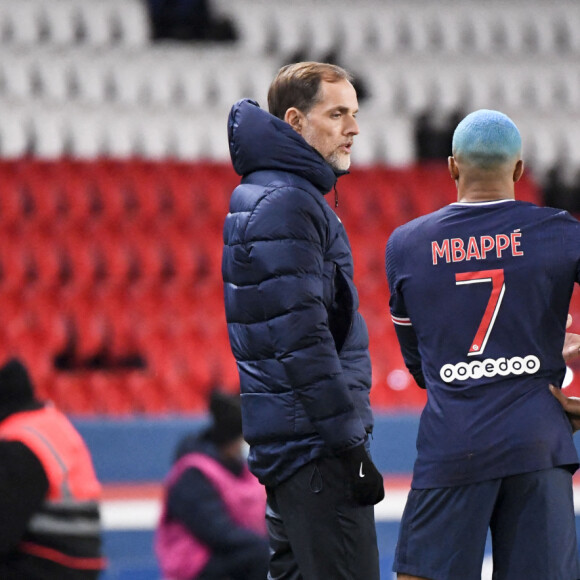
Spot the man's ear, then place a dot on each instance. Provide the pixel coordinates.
(453, 169)
(518, 170)
(294, 118)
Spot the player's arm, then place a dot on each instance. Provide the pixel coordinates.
(410, 351)
(403, 325)
(570, 404)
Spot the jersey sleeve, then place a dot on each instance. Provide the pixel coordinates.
(574, 244)
(403, 326)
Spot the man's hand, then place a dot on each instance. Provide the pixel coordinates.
(367, 483)
(571, 348)
(570, 404)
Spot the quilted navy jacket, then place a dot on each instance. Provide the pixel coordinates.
(291, 306)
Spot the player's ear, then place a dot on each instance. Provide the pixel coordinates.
(294, 118)
(518, 170)
(453, 169)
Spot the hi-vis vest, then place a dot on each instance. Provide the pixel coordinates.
(66, 530)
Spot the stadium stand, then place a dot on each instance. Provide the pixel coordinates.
(114, 184)
(115, 179)
(120, 260)
(99, 57)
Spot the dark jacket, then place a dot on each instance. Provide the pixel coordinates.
(291, 304)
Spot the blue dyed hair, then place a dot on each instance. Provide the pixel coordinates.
(487, 138)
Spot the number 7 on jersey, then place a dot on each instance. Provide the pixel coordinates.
(496, 278)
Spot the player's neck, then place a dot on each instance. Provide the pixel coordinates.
(478, 192)
(475, 198)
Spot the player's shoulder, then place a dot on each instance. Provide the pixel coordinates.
(554, 215)
(419, 224)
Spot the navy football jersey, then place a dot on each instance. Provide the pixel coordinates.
(479, 296)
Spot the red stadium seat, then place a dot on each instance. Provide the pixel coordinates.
(111, 263)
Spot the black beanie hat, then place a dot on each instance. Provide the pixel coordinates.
(16, 390)
(226, 416)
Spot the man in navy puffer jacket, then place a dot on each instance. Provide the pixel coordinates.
(300, 343)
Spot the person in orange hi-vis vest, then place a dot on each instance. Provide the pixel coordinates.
(49, 493)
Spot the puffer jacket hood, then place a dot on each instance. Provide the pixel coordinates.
(260, 141)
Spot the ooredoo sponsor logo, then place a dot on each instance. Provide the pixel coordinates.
(490, 368)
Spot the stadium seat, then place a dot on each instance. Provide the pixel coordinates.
(154, 139)
(58, 22)
(20, 22)
(48, 132)
(50, 72)
(91, 79)
(16, 73)
(15, 138)
(254, 23)
(96, 22)
(131, 23)
(120, 132)
(12, 199)
(128, 78)
(71, 392)
(84, 132)
(356, 29)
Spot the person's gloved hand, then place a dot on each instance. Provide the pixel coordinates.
(367, 482)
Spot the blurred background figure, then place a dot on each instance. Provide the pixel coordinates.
(49, 494)
(189, 20)
(213, 522)
(561, 190)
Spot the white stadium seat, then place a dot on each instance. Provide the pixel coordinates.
(14, 130)
(51, 72)
(21, 22)
(120, 138)
(90, 77)
(16, 73)
(84, 130)
(48, 131)
(96, 22)
(93, 64)
(131, 23)
(153, 135)
(59, 22)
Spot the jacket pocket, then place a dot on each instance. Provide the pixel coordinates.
(341, 311)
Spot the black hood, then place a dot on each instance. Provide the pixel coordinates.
(16, 390)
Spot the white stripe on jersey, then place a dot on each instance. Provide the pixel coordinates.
(401, 321)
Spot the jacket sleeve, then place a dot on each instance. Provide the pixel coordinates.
(194, 501)
(290, 233)
(23, 487)
(403, 324)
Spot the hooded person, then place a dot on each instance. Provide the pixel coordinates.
(300, 343)
(50, 526)
(212, 524)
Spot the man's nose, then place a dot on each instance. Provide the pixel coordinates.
(352, 127)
